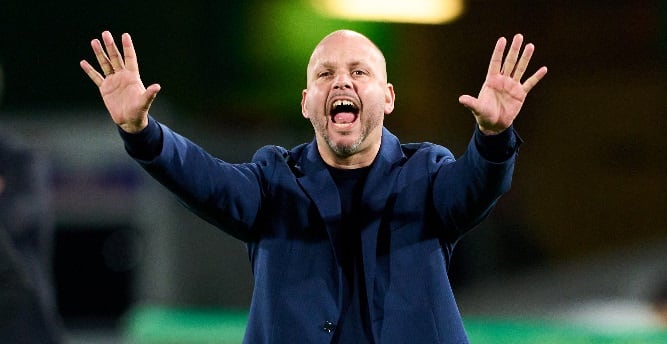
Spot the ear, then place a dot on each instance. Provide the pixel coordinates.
(304, 111)
(389, 98)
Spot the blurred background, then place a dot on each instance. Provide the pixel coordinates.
(581, 237)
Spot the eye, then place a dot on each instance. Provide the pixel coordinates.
(359, 72)
(324, 74)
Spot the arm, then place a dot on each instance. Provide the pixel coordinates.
(226, 195)
(467, 190)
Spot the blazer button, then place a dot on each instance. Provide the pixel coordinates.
(328, 327)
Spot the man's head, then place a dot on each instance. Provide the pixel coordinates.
(346, 98)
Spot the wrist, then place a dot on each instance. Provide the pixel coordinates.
(490, 132)
(134, 127)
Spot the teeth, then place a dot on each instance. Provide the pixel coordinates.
(338, 103)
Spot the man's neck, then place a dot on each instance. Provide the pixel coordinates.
(357, 160)
(363, 157)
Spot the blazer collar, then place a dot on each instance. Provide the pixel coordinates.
(314, 176)
(309, 160)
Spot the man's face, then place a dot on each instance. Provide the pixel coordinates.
(347, 95)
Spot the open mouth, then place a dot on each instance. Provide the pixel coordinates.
(344, 112)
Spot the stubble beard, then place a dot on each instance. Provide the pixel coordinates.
(347, 150)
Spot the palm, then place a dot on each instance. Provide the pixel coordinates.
(502, 95)
(499, 102)
(122, 93)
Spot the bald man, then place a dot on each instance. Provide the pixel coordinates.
(349, 236)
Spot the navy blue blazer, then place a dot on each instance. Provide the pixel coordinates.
(417, 202)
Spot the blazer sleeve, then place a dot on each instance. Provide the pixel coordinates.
(467, 189)
(224, 194)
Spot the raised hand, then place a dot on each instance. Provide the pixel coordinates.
(502, 94)
(124, 95)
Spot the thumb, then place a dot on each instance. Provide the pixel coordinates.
(151, 93)
(468, 101)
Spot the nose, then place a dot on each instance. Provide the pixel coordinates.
(342, 81)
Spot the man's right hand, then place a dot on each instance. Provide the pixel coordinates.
(124, 95)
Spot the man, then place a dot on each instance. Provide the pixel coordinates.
(349, 236)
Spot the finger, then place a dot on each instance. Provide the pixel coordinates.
(130, 55)
(497, 56)
(149, 95)
(101, 57)
(523, 62)
(92, 73)
(152, 91)
(534, 79)
(114, 55)
(512, 55)
(468, 101)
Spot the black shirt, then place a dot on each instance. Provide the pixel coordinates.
(354, 324)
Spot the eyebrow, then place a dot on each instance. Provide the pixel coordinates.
(331, 65)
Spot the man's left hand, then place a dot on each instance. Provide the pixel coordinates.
(502, 94)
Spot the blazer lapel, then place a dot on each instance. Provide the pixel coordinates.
(317, 182)
(376, 196)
